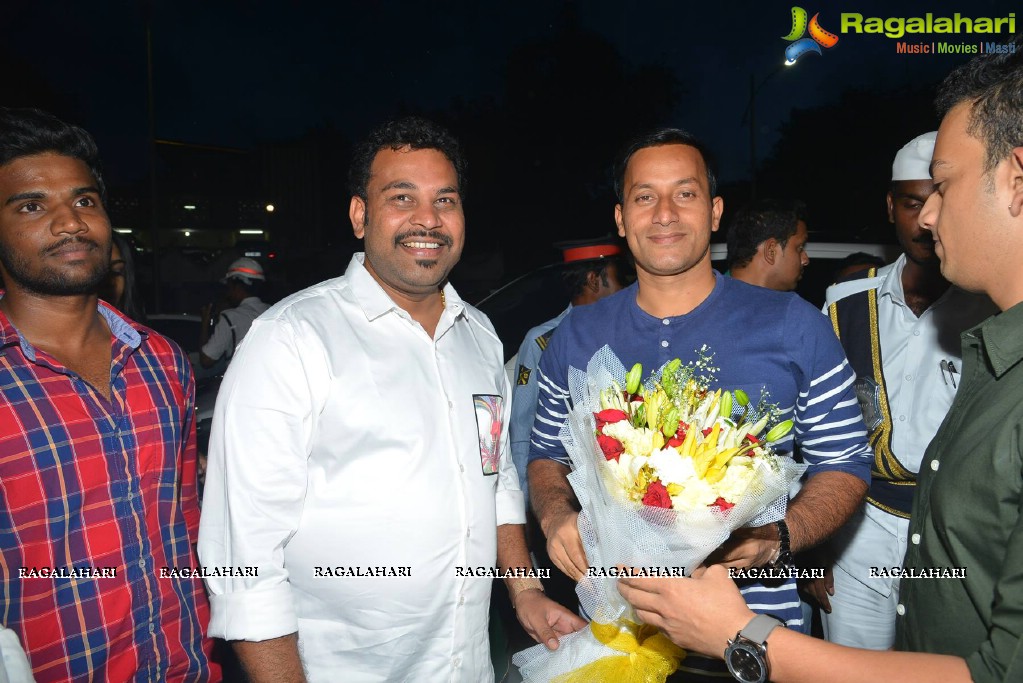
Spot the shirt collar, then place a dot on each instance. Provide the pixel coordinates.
(375, 302)
(892, 285)
(1002, 340)
(124, 329)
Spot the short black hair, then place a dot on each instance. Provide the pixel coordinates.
(761, 221)
(28, 132)
(575, 275)
(993, 86)
(412, 132)
(659, 138)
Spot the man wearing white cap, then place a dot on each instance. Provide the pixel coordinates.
(244, 279)
(906, 319)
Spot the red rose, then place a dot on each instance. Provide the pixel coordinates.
(611, 446)
(609, 416)
(707, 431)
(680, 435)
(723, 504)
(656, 495)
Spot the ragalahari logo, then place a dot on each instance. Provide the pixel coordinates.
(801, 46)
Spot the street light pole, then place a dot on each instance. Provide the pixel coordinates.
(751, 113)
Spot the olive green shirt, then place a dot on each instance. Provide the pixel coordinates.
(966, 515)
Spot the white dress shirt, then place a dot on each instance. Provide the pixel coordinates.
(914, 354)
(358, 445)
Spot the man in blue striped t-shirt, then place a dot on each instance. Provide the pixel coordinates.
(761, 340)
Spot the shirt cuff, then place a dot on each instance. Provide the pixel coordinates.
(511, 507)
(253, 615)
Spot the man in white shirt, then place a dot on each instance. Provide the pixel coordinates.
(242, 305)
(364, 472)
(908, 318)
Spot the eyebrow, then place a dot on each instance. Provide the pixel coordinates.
(77, 192)
(408, 185)
(909, 195)
(691, 180)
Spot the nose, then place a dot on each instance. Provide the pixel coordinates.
(426, 216)
(67, 221)
(928, 216)
(805, 259)
(665, 212)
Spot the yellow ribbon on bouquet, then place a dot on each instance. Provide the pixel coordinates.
(649, 656)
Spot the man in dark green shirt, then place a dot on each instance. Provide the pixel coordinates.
(961, 615)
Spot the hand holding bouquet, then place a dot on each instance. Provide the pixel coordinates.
(664, 471)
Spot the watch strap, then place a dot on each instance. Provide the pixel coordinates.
(759, 628)
(783, 536)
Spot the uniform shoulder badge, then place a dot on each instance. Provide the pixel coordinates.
(523, 378)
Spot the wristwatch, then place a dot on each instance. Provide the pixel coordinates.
(784, 558)
(746, 654)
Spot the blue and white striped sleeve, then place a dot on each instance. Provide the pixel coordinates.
(829, 426)
(552, 405)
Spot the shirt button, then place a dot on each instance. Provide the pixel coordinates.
(909, 378)
(142, 563)
(131, 495)
(916, 539)
(450, 404)
(467, 532)
(900, 609)
(456, 662)
(666, 321)
(461, 467)
(934, 465)
(916, 333)
(664, 343)
(902, 418)
(152, 628)
(461, 599)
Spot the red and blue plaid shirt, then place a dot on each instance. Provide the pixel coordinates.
(88, 486)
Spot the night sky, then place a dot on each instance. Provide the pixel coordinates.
(243, 74)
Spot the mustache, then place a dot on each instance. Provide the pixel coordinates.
(405, 236)
(70, 240)
(926, 238)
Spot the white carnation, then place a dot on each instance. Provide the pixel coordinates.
(636, 441)
(697, 494)
(672, 468)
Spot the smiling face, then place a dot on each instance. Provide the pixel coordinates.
(667, 214)
(411, 220)
(54, 232)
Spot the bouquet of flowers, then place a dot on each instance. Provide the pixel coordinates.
(664, 469)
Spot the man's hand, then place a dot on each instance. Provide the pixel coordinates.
(820, 589)
(564, 546)
(698, 614)
(545, 620)
(748, 547)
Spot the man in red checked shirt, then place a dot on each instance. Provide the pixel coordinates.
(97, 445)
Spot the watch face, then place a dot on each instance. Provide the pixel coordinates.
(745, 663)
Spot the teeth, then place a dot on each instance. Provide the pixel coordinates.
(421, 245)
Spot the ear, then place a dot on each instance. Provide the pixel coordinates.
(717, 207)
(357, 214)
(618, 220)
(1016, 182)
(593, 281)
(770, 249)
(891, 207)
